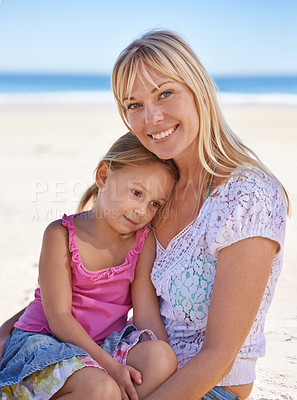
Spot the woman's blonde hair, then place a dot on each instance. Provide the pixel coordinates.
(168, 54)
(129, 151)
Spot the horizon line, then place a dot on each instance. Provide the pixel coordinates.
(107, 74)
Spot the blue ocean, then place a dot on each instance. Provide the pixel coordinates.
(46, 83)
(89, 88)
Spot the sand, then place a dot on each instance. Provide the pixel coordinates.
(47, 157)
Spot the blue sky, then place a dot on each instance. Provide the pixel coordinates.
(229, 36)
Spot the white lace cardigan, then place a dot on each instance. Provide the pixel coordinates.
(184, 273)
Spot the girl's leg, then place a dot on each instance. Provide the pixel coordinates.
(156, 361)
(89, 383)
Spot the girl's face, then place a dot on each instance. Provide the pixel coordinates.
(130, 197)
(164, 118)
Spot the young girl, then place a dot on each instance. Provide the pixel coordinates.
(78, 318)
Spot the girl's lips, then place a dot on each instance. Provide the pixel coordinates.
(130, 221)
(164, 134)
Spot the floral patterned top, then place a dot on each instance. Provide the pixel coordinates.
(247, 205)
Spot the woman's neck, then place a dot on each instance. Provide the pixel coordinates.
(189, 166)
(189, 171)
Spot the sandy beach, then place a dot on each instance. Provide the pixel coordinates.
(48, 154)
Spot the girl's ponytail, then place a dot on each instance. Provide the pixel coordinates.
(88, 198)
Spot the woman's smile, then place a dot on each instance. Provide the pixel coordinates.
(164, 134)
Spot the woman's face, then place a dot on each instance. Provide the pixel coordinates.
(164, 118)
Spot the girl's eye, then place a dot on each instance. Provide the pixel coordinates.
(136, 192)
(155, 204)
(133, 106)
(165, 94)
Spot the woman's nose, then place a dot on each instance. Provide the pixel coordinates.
(153, 114)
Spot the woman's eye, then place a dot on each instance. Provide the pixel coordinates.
(136, 193)
(165, 94)
(133, 106)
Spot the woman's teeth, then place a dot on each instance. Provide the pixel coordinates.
(164, 134)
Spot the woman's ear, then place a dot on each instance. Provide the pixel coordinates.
(102, 173)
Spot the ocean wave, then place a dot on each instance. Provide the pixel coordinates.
(106, 97)
(285, 99)
(57, 98)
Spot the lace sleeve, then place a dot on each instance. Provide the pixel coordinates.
(249, 205)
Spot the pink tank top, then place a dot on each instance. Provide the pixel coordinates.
(101, 299)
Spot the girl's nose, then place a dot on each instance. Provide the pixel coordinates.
(141, 208)
(153, 114)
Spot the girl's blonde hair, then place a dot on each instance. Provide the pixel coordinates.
(168, 54)
(129, 151)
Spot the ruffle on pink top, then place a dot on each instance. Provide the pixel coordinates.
(76, 262)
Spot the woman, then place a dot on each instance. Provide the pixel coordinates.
(220, 253)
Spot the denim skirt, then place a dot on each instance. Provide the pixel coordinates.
(27, 352)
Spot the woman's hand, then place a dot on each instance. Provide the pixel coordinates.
(3, 341)
(6, 330)
(124, 375)
(5, 334)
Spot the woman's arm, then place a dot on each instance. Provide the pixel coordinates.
(146, 314)
(241, 278)
(55, 279)
(6, 330)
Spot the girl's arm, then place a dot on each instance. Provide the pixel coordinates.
(55, 279)
(241, 278)
(6, 330)
(146, 314)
